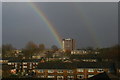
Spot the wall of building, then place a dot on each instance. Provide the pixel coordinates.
(75, 73)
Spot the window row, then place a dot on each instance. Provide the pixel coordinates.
(68, 77)
(71, 71)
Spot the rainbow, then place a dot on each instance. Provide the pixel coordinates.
(58, 38)
(42, 15)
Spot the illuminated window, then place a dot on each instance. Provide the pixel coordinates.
(100, 70)
(24, 63)
(50, 71)
(9, 63)
(60, 77)
(70, 77)
(41, 71)
(30, 65)
(69, 71)
(91, 75)
(42, 76)
(24, 66)
(119, 70)
(51, 76)
(15, 65)
(60, 71)
(90, 70)
(80, 76)
(33, 63)
(80, 70)
(12, 63)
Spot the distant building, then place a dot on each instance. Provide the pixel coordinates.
(80, 52)
(68, 44)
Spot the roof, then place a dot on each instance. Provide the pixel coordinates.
(113, 77)
(6, 67)
(55, 65)
(25, 60)
(61, 65)
(101, 76)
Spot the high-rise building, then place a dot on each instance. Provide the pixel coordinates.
(68, 44)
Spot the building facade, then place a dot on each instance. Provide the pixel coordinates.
(68, 44)
(70, 71)
(25, 65)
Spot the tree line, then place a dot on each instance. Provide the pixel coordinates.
(28, 51)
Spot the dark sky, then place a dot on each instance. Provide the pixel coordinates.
(90, 24)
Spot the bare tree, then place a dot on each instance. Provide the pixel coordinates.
(7, 50)
(41, 47)
(54, 48)
(30, 49)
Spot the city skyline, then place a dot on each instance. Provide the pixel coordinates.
(90, 24)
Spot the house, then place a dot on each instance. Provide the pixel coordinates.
(6, 70)
(25, 65)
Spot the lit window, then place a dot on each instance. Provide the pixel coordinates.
(119, 70)
(24, 66)
(60, 71)
(30, 65)
(90, 70)
(90, 75)
(41, 71)
(15, 65)
(70, 77)
(33, 63)
(100, 70)
(50, 71)
(60, 77)
(9, 63)
(51, 76)
(42, 76)
(72, 52)
(12, 63)
(80, 70)
(33, 66)
(80, 76)
(69, 71)
(24, 63)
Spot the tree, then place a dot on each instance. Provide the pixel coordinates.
(30, 49)
(54, 48)
(7, 50)
(111, 53)
(90, 48)
(49, 55)
(41, 47)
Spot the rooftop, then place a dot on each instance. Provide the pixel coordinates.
(61, 65)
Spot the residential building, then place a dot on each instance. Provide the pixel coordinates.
(80, 52)
(77, 70)
(25, 65)
(68, 44)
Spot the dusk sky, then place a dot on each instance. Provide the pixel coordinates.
(90, 24)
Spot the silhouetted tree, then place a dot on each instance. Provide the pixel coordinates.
(54, 48)
(7, 50)
(41, 47)
(30, 49)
